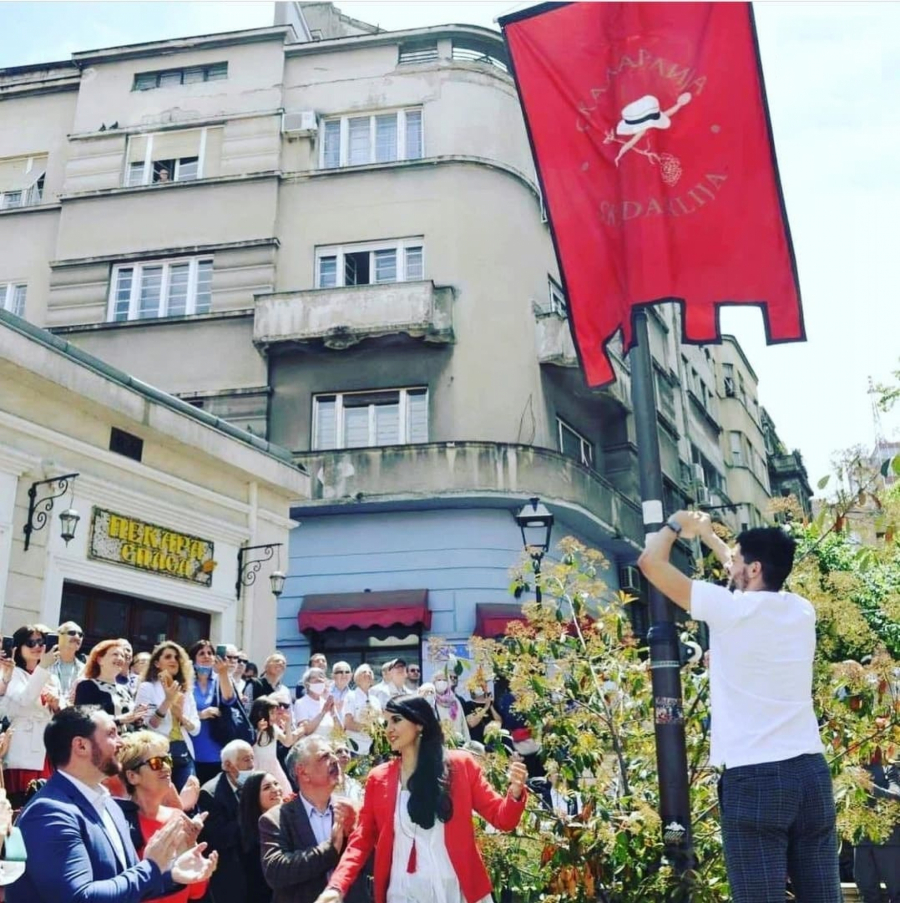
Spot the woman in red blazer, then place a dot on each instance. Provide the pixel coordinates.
(417, 816)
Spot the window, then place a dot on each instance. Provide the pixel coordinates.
(573, 445)
(376, 138)
(370, 264)
(418, 53)
(171, 288)
(12, 296)
(479, 52)
(557, 297)
(176, 156)
(728, 380)
(168, 78)
(738, 458)
(665, 397)
(22, 181)
(361, 419)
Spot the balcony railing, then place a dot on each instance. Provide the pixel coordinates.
(341, 317)
(460, 469)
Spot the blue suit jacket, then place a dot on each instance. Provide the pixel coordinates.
(70, 856)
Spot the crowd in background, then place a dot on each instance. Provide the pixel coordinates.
(206, 747)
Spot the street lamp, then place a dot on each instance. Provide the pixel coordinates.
(39, 509)
(248, 568)
(536, 523)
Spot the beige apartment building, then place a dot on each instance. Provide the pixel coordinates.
(332, 237)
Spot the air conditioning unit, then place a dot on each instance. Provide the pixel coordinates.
(729, 386)
(630, 579)
(701, 495)
(299, 124)
(697, 475)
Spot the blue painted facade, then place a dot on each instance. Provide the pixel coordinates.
(462, 556)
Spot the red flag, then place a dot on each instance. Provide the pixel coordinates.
(650, 133)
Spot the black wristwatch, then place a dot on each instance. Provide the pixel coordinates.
(674, 526)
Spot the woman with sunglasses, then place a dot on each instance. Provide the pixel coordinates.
(213, 691)
(263, 716)
(32, 697)
(417, 816)
(167, 692)
(100, 687)
(260, 792)
(147, 773)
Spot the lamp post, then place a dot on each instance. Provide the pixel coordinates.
(536, 523)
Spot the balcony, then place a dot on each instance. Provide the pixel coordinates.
(410, 473)
(341, 317)
(556, 348)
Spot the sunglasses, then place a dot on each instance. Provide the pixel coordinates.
(284, 705)
(156, 763)
(244, 661)
(232, 658)
(33, 644)
(413, 670)
(74, 633)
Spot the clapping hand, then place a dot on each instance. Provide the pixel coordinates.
(210, 711)
(518, 774)
(190, 793)
(170, 687)
(192, 868)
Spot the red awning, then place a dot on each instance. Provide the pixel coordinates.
(491, 618)
(340, 611)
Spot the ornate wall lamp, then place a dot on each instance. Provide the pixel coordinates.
(248, 568)
(39, 509)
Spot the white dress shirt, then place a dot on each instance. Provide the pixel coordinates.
(100, 798)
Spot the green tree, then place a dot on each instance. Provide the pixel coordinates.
(582, 682)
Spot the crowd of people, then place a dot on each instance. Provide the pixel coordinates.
(180, 775)
(175, 776)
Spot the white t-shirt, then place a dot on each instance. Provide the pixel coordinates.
(761, 648)
(363, 709)
(306, 708)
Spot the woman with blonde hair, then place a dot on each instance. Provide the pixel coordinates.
(98, 685)
(167, 691)
(147, 773)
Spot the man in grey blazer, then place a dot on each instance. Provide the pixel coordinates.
(301, 841)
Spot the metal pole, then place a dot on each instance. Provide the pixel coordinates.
(665, 663)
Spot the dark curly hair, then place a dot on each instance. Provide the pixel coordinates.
(429, 784)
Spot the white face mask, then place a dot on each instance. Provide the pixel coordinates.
(242, 776)
(317, 687)
(441, 686)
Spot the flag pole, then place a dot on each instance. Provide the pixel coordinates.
(663, 639)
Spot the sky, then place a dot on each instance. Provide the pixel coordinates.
(832, 73)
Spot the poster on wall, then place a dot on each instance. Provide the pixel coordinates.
(128, 541)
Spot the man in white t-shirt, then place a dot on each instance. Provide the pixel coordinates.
(777, 802)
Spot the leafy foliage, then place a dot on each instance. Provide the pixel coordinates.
(582, 682)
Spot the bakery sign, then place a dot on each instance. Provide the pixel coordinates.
(134, 543)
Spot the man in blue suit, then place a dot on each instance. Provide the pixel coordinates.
(78, 843)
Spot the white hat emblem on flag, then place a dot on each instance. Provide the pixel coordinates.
(642, 114)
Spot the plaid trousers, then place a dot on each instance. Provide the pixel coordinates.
(778, 820)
